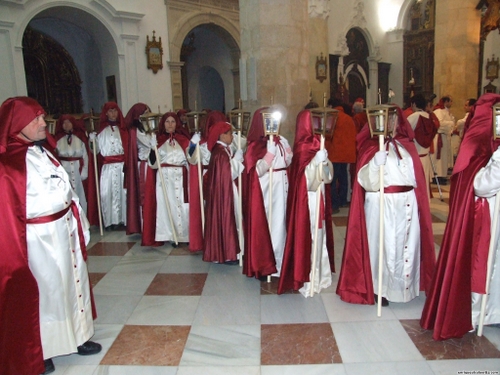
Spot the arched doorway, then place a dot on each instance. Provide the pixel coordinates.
(70, 66)
(208, 73)
(356, 65)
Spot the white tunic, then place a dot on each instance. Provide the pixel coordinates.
(113, 195)
(172, 154)
(401, 266)
(55, 257)
(323, 273)
(425, 159)
(487, 184)
(446, 126)
(75, 150)
(279, 193)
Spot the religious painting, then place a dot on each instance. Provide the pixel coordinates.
(321, 68)
(154, 52)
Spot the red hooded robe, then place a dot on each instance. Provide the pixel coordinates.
(355, 281)
(460, 270)
(297, 254)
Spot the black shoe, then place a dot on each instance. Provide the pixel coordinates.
(174, 244)
(89, 348)
(232, 262)
(49, 366)
(385, 303)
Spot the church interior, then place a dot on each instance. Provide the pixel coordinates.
(162, 310)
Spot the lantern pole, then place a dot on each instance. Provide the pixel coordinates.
(240, 191)
(381, 139)
(200, 179)
(96, 176)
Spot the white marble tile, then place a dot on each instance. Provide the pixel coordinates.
(408, 310)
(139, 264)
(105, 334)
(465, 366)
(165, 310)
(135, 370)
(102, 264)
(225, 269)
(330, 369)
(389, 368)
(228, 310)
(229, 284)
(219, 370)
(374, 341)
(222, 346)
(493, 335)
(145, 251)
(79, 370)
(120, 283)
(340, 311)
(185, 264)
(292, 308)
(115, 309)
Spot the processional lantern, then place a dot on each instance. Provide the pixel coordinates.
(382, 118)
(272, 121)
(324, 120)
(194, 119)
(91, 122)
(51, 124)
(151, 121)
(240, 119)
(496, 121)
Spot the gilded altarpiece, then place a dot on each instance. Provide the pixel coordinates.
(419, 51)
(51, 74)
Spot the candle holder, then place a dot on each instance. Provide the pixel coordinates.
(150, 121)
(92, 122)
(240, 119)
(272, 121)
(194, 119)
(496, 121)
(324, 121)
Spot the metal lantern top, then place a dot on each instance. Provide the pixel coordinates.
(272, 121)
(92, 122)
(240, 120)
(194, 119)
(51, 124)
(496, 121)
(382, 118)
(150, 121)
(324, 121)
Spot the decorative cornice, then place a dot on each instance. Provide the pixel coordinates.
(319, 9)
(7, 24)
(359, 20)
(131, 16)
(342, 48)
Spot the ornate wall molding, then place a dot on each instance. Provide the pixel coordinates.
(319, 9)
(359, 20)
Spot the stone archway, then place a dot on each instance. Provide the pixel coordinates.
(228, 33)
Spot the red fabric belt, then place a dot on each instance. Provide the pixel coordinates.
(113, 159)
(279, 169)
(422, 155)
(184, 178)
(57, 216)
(68, 158)
(48, 218)
(397, 189)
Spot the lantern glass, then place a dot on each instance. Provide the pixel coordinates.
(272, 122)
(51, 125)
(383, 119)
(150, 121)
(240, 120)
(496, 121)
(324, 121)
(194, 120)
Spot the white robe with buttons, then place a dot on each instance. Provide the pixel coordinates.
(401, 257)
(173, 178)
(75, 150)
(113, 195)
(55, 258)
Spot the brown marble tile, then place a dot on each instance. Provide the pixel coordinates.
(95, 277)
(468, 347)
(148, 346)
(182, 249)
(438, 238)
(294, 344)
(339, 221)
(110, 248)
(177, 284)
(436, 219)
(272, 287)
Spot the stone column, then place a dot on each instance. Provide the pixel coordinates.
(275, 52)
(456, 55)
(318, 44)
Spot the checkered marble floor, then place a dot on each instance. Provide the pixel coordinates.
(165, 311)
